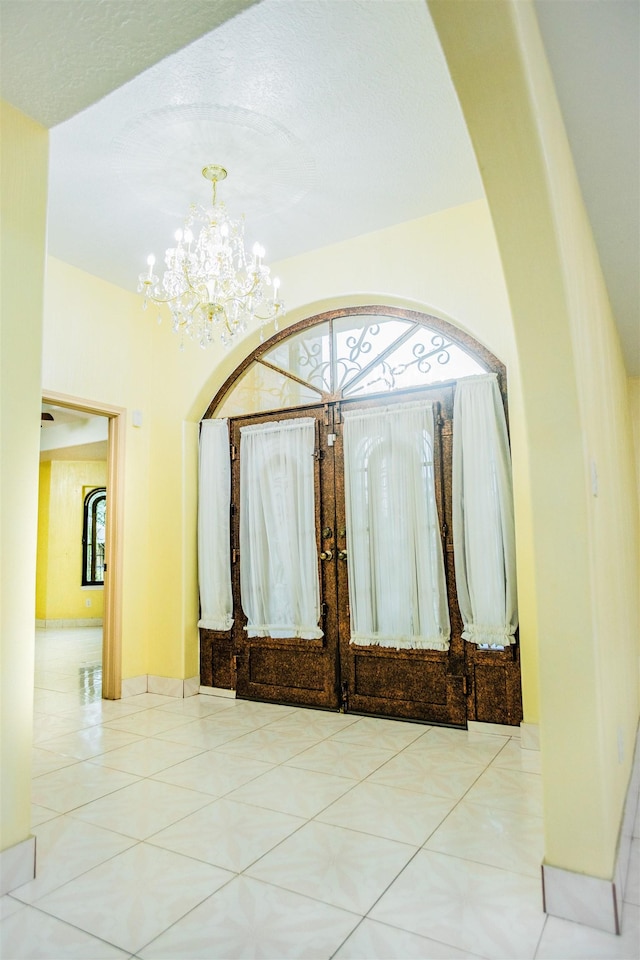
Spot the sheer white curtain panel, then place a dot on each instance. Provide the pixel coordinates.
(278, 553)
(214, 500)
(483, 525)
(397, 589)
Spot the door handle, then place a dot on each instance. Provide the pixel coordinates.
(342, 554)
(326, 555)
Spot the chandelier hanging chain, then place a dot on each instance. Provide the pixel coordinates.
(211, 284)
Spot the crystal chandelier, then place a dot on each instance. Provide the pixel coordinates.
(211, 284)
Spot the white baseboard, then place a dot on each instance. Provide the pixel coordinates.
(167, 686)
(493, 729)
(218, 692)
(594, 901)
(17, 865)
(134, 686)
(625, 838)
(527, 733)
(64, 624)
(191, 687)
(577, 896)
(529, 736)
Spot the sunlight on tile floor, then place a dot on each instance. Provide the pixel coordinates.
(214, 828)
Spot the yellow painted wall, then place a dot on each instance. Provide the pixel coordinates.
(86, 316)
(634, 413)
(59, 592)
(140, 369)
(23, 199)
(42, 556)
(574, 387)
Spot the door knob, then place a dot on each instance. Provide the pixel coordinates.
(326, 555)
(342, 554)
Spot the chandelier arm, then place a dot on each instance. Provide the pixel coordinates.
(160, 299)
(187, 280)
(238, 299)
(270, 315)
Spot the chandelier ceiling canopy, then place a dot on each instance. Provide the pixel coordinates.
(214, 289)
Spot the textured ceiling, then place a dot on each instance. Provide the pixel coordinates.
(60, 56)
(594, 52)
(334, 117)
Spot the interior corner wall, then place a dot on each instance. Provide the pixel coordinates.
(584, 508)
(634, 414)
(42, 556)
(23, 203)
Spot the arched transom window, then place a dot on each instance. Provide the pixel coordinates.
(355, 352)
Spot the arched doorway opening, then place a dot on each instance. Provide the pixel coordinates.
(320, 375)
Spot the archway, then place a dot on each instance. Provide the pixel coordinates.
(585, 541)
(325, 368)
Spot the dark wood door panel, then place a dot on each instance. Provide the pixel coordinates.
(289, 676)
(446, 687)
(216, 659)
(496, 690)
(396, 678)
(410, 684)
(290, 671)
(407, 689)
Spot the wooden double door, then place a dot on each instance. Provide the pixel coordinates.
(438, 686)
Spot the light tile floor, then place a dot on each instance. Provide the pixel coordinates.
(214, 828)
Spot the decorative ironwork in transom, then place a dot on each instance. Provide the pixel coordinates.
(356, 352)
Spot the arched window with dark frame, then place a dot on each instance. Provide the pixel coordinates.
(93, 537)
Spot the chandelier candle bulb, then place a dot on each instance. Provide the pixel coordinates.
(212, 286)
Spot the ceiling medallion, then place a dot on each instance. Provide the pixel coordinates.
(214, 289)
